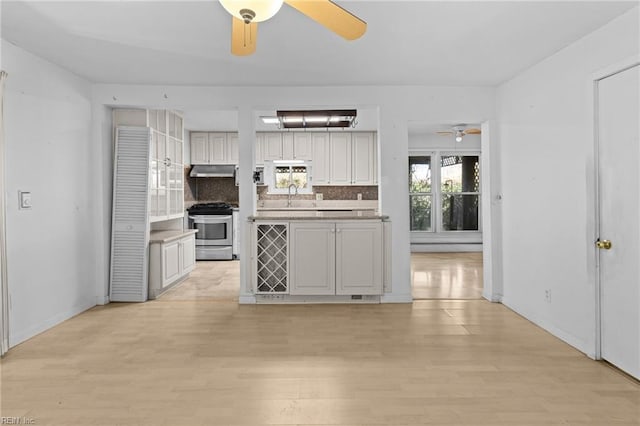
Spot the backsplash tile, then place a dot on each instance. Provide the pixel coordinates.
(328, 193)
(209, 189)
(203, 190)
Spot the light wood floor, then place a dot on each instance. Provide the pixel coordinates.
(446, 275)
(209, 362)
(433, 276)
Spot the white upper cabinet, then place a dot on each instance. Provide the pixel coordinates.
(287, 146)
(339, 158)
(321, 159)
(259, 149)
(363, 170)
(214, 148)
(272, 146)
(217, 148)
(232, 148)
(199, 148)
(302, 146)
(340, 147)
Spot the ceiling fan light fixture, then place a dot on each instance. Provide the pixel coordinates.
(252, 10)
(459, 135)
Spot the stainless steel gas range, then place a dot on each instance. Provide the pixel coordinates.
(214, 222)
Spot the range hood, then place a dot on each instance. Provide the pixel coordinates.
(213, 170)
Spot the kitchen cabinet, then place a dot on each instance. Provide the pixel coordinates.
(283, 146)
(166, 178)
(341, 258)
(353, 159)
(148, 186)
(272, 146)
(259, 153)
(171, 259)
(340, 163)
(363, 159)
(214, 148)
(320, 154)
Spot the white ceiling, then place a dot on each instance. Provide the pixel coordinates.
(407, 42)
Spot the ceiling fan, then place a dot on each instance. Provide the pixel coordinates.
(459, 130)
(247, 13)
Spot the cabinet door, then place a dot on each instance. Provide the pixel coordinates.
(302, 146)
(199, 148)
(188, 247)
(359, 258)
(259, 149)
(362, 166)
(170, 262)
(312, 258)
(320, 157)
(287, 146)
(340, 164)
(217, 148)
(232, 148)
(272, 146)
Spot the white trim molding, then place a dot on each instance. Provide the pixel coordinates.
(4, 285)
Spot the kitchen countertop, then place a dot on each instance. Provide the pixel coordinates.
(316, 215)
(166, 236)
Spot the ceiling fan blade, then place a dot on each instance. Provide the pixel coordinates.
(445, 133)
(243, 37)
(472, 131)
(331, 16)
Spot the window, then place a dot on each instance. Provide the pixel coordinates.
(280, 176)
(460, 189)
(447, 198)
(420, 196)
(287, 175)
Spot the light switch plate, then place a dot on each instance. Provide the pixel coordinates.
(24, 200)
(318, 196)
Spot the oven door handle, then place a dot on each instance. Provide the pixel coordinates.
(210, 218)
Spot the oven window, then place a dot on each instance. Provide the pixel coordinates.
(211, 231)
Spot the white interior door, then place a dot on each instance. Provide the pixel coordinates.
(619, 190)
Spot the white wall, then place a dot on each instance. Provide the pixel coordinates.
(396, 105)
(51, 249)
(546, 136)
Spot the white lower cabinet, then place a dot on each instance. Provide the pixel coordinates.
(336, 258)
(170, 261)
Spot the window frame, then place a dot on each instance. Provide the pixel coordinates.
(270, 177)
(437, 233)
(431, 155)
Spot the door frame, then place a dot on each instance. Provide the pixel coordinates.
(594, 83)
(4, 285)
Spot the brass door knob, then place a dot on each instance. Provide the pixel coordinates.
(603, 244)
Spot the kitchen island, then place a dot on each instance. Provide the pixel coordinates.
(305, 256)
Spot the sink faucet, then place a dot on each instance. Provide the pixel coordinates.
(289, 193)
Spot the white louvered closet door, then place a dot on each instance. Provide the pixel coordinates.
(130, 224)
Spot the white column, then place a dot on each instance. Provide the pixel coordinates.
(247, 196)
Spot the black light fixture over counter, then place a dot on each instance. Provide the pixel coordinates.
(316, 119)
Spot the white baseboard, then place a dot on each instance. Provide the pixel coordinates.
(495, 298)
(16, 338)
(283, 299)
(546, 325)
(396, 298)
(247, 300)
(102, 300)
(445, 248)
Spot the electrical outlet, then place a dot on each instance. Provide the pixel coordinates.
(547, 295)
(318, 196)
(359, 197)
